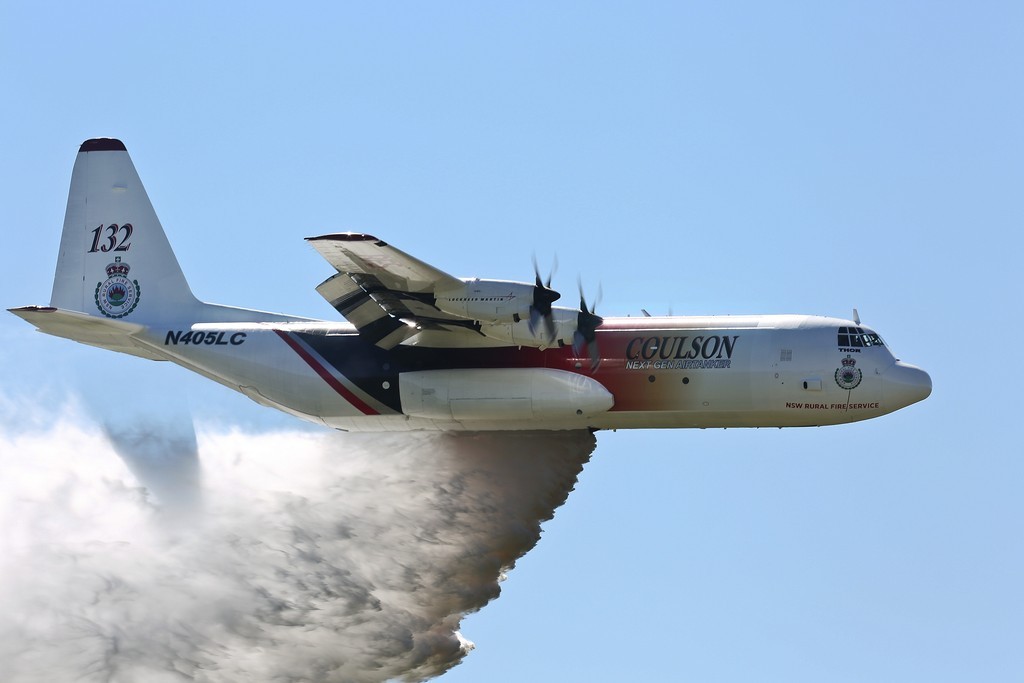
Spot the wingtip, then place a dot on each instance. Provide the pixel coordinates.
(31, 309)
(103, 145)
(346, 237)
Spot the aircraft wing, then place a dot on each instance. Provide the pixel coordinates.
(386, 293)
(358, 254)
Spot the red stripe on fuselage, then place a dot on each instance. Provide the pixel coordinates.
(342, 390)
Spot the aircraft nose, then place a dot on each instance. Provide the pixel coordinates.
(905, 384)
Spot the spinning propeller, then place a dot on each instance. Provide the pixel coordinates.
(587, 323)
(543, 297)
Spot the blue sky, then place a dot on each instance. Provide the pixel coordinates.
(793, 158)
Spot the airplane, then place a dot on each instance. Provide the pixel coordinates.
(423, 350)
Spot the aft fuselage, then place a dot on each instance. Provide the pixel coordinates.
(719, 371)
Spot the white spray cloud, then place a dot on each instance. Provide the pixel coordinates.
(317, 556)
(163, 455)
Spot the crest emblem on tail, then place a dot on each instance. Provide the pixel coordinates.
(117, 296)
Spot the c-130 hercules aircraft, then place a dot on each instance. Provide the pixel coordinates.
(427, 351)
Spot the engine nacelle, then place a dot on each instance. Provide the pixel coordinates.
(520, 334)
(488, 301)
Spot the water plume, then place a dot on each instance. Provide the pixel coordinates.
(317, 556)
(164, 457)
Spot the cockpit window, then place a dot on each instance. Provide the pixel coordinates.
(857, 337)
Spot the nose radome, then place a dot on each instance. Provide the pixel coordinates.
(905, 384)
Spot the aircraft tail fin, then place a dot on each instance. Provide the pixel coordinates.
(115, 261)
(116, 273)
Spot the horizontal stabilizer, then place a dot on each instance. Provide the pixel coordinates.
(115, 335)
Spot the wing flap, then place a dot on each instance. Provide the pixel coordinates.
(360, 309)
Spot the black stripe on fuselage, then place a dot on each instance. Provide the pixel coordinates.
(370, 367)
(380, 328)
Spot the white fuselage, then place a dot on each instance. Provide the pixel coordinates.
(721, 371)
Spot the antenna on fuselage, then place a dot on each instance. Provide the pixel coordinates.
(856, 316)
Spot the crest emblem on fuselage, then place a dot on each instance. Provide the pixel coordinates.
(849, 376)
(117, 296)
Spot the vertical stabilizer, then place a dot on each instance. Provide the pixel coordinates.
(115, 261)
